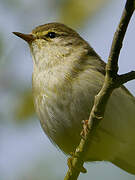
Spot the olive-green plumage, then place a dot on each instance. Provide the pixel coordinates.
(67, 75)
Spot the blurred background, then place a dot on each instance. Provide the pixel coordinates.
(25, 151)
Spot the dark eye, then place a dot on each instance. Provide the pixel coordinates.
(51, 35)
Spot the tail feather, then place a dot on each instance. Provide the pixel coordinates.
(126, 161)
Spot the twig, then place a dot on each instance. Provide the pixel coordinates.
(112, 81)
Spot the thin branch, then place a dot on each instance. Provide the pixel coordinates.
(126, 77)
(119, 36)
(112, 80)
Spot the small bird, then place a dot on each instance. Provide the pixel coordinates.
(67, 74)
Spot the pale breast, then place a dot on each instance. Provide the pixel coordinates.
(62, 108)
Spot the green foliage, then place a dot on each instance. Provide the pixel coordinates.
(76, 12)
(25, 108)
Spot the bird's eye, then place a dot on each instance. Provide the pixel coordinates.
(51, 35)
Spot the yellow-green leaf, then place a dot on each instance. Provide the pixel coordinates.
(25, 107)
(74, 12)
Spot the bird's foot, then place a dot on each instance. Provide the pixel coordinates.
(85, 130)
(70, 165)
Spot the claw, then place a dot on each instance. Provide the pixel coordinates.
(85, 129)
(70, 166)
(69, 163)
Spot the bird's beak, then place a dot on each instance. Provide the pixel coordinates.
(27, 37)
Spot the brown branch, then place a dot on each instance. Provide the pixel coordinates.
(112, 64)
(126, 77)
(112, 80)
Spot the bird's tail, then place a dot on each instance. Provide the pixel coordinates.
(126, 160)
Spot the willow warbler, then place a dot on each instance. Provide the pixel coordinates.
(67, 75)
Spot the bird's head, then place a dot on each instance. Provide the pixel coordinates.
(54, 43)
